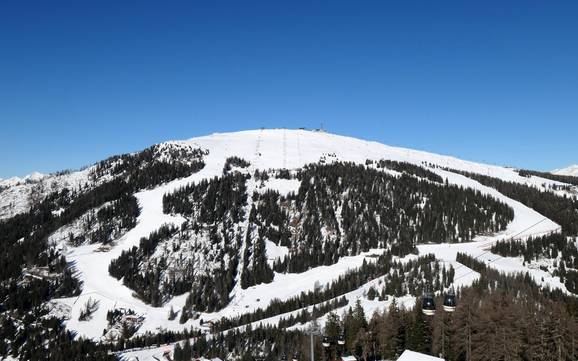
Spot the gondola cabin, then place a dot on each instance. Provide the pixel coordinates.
(449, 302)
(428, 306)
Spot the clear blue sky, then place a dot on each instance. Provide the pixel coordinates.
(493, 81)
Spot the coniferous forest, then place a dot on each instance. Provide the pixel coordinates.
(337, 210)
(32, 271)
(557, 254)
(500, 317)
(561, 209)
(340, 209)
(288, 181)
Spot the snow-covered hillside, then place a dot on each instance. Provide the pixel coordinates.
(267, 149)
(16, 194)
(284, 148)
(570, 171)
(30, 178)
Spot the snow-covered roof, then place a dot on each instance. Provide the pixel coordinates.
(408, 355)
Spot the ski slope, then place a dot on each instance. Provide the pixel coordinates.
(291, 149)
(284, 148)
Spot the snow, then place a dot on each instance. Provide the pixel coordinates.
(275, 252)
(16, 198)
(348, 358)
(93, 266)
(75, 228)
(32, 177)
(465, 276)
(156, 354)
(369, 308)
(9, 358)
(526, 223)
(290, 149)
(285, 286)
(147, 354)
(408, 355)
(570, 170)
(300, 147)
(282, 186)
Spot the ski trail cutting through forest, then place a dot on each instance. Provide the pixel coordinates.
(92, 265)
(264, 151)
(245, 225)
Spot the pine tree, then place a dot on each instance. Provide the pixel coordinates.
(172, 314)
(178, 352)
(419, 339)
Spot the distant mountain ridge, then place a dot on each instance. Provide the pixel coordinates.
(32, 177)
(571, 170)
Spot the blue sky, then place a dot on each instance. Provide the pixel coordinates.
(493, 81)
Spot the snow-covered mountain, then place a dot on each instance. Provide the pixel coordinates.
(189, 233)
(570, 170)
(30, 178)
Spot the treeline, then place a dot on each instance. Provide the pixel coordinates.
(562, 210)
(23, 237)
(553, 246)
(157, 276)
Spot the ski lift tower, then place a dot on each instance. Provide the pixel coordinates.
(314, 330)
